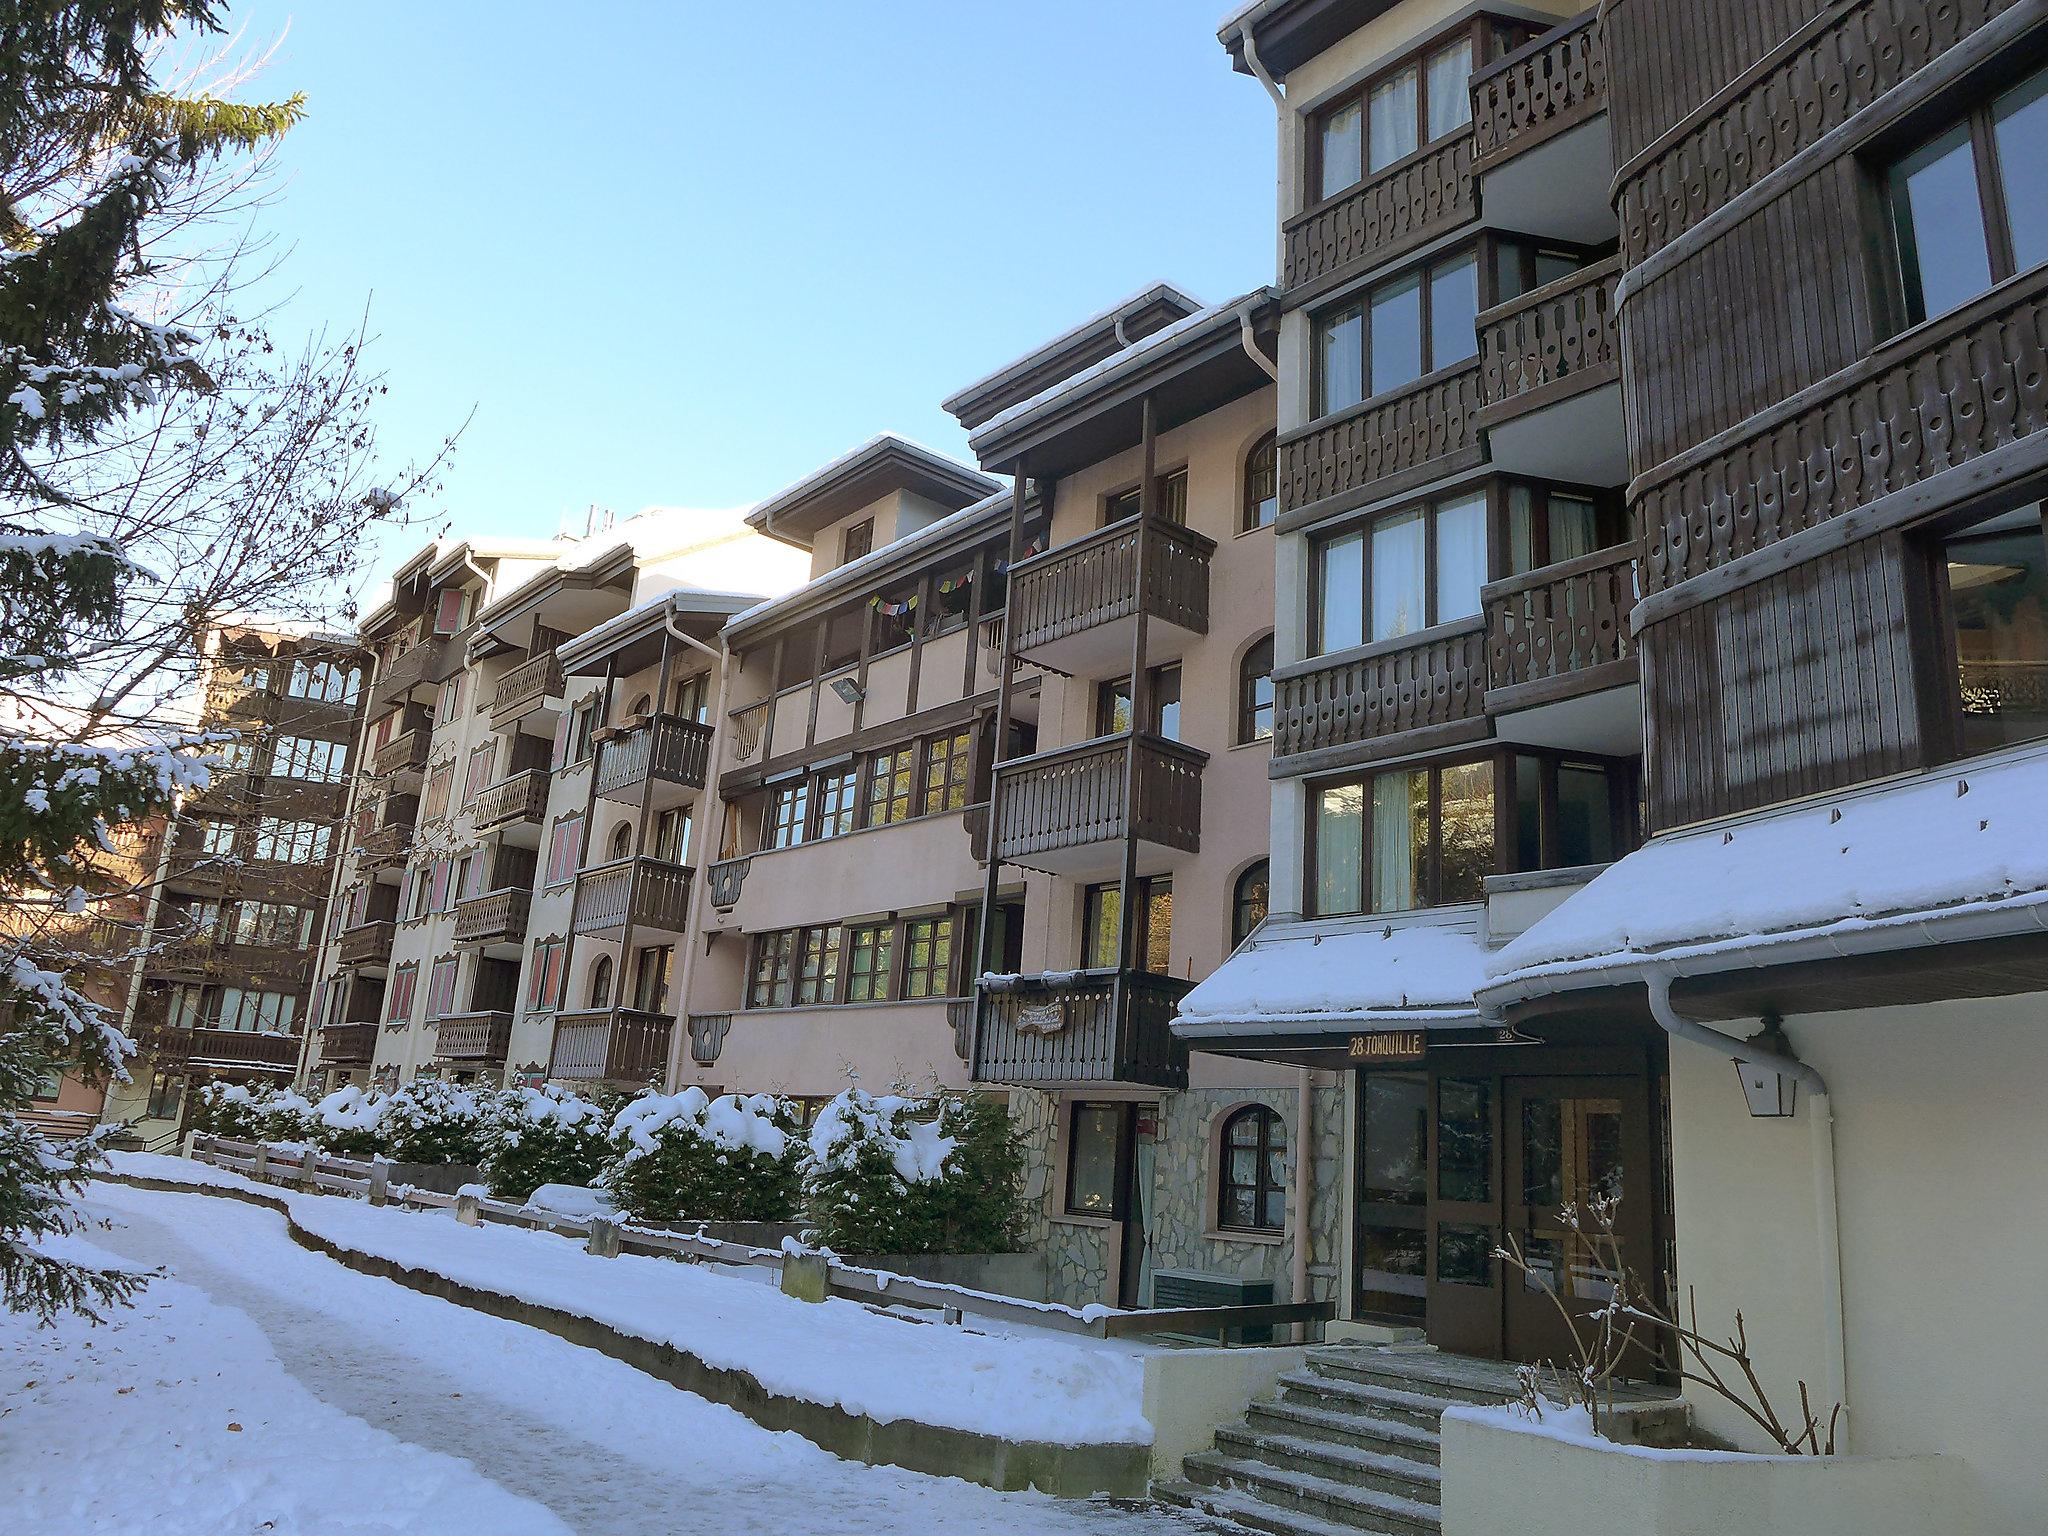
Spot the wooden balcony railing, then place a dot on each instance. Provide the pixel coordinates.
(1386, 444)
(509, 802)
(1073, 796)
(1096, 1026)
(424, 661)
(243, 1048)
(1552, 342)
(348, 1045)
(725, 878)
(473, 1036)
(707, 1036)
(648, 893)
(1560, 630)
(1095, 580)
(525, 688)
(667, 748)
(386, 847)
(1394, 210)
(496, 917)
(1550, 84)
(1437, 678)
(1939, 396)
(367, 943)
(621, 1045)
(404, 753)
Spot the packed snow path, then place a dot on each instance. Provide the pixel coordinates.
(596, 1443)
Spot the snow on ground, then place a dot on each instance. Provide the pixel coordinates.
(602, 1446)
(1023, 1384)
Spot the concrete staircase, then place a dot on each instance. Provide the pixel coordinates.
(1349, 1445)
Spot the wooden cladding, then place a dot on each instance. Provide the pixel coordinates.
(525, 688)
(620, 1045)
(1553, 341)
(1435, 679)
(1410, 202)
(725, 878)
(347, 1045)
(648, 893)
(667, 748)
(1100, 1026)
(1538, 91)
(521, 798)
(1095, 580)
(474, 1037)
(1938, 397)
(1559, 630)
(707, 1036)
(1386, 444)
(1831, 70)
(1073, 796)
(496, 917)
(367, 943)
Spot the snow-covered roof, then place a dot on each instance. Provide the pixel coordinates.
(1302, 977)
(1130, 303)
(942, 468)
(1972, 837)
(680, 600)
(650, 532)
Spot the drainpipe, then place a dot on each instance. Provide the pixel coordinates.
(1282, 115)
(1251, 346)
(1821, 1119)
(1304, 1172)
(714, 805)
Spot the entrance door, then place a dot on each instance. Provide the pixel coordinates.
(1134, 1285)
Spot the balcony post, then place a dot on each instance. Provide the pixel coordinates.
(634, 873)
(611, 670)
(992, 870)
(1128, 931)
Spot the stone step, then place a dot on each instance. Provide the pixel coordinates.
(1341, 1396)
(1447, 1379)
(1245, 1510)
(1345, 1464)
(1363, 1509)
(1365, 1432)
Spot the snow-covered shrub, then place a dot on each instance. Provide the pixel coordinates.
(431, 1121)
(896, 1174)
(689, 1157)
(286, 1116)
(349, 1122)
(544, 1136)
(229, 1109)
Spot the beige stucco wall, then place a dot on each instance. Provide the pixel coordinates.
(820, 1051)
(1939, 1141)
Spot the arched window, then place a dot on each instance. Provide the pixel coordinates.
(601, 982)
(640, 707)
(622, 840)
(1261, 484)
(1252, 1189)
(1255, 693)
(1248, 902)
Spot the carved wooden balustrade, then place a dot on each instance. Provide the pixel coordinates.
(1092, 1026)
(1413, 683)
(1548, 85)
(1071, 796)
(1391, 211)
(610, 1045)
(1381, 446)
(1560, 630)
(1095, 580)
(1551, 343)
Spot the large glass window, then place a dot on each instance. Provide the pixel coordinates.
(1095, 1156)
(817, 979)
(1252, 1186)
(869, 949)
(1374, 583)
(947, 762)
(772, 976)
(890, 782)
(1997, 579)
(1427, 839)
(1393, 1194)
(1412, 325)
(1255, 692)
(1415, 103)
(927, 956)
(1102, 909)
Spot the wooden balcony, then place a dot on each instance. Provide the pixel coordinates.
(1080, 1027)
(425, 661)
(347, 1045)
(1064, 811)
(525, 689)
(521, 800)
(1073, 608)
(1409, 694)
(668, 750)
(226, 1049)
(1388, 444)
(645, 892)
(1544, 88)
(1552, 342)
(610, 1045)
(496, 917)
(474, 1037)
(1395, 210)
(725, 878)
(385, 847)
(404, 753)
(1560, 631)
(367, 943)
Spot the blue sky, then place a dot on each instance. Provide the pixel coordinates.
(682, 253)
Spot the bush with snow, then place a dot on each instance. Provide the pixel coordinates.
(432, 1121)
(928, 1174)
(349, 1122)
(689, 1157)
(229, 1109)
(544, 1136)
(285, 1116)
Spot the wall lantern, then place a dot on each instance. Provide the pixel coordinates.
(849, 691)
(1770, 1095)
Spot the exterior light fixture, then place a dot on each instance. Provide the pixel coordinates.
(848, 690)
(1770, 1095)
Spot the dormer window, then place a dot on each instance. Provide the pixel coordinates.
(858, 540)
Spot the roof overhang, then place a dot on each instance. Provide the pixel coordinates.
(1288, 33)
(569, 601)
(858, 479)
(635, 639)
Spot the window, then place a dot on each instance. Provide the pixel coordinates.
(451, 611)
(693, 698)
(600, 993)
(1417, 103)
(273, 924)
(294, 842)
(478, 775)
(217, 836)
(1261, 484)
(440, 885)
(1252, 1178)
(857, 540)
(1102, 928)
(652, 970)
(947, 762)
(330, 682)
(1415, 324)
(448, 708)
(1521, 266)
(672, 835)
(563, 850)
(890, 781)
(1255, 692)
(256, 1012)
(620, 845)
(927, 956)
(1547, 526)
(1969, 208)
(817, 977)
(1113, 704)
(788, 806)
(166, 1096)
(441, 987)
(1248, 901)
(1171, 500)
(1415, 837)
(837, 803)
(772, 976)
(1096, 1151)
(870, 949)
(1570, 811)
(416, 905)
(439, 783)
(318, 762)
(544, 981)
(582, 730)
(1996, 578)
(1402, 572)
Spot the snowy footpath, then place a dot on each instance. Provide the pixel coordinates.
(258, 1387)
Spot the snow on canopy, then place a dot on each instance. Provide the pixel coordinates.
(737, 1124)
(1969, 836)
(1310, 974)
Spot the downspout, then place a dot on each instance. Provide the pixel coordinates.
(1252, 349)
(700, 887)
(1304, 1172)
(1282, 114)
(1821, 1119)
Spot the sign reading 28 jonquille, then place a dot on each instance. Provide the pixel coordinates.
(1389, 1045)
